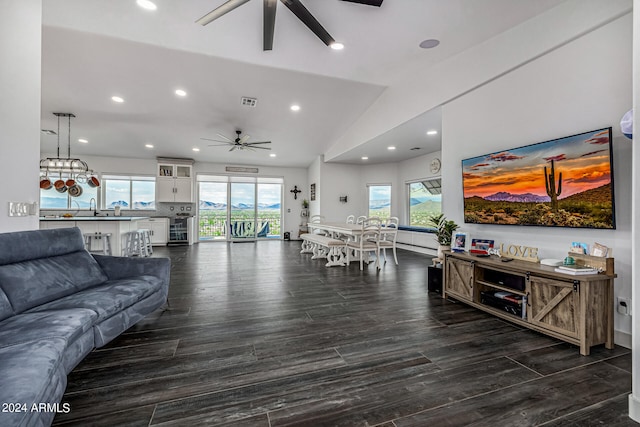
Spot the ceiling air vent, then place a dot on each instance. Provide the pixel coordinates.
(48, 132)
(248, 102)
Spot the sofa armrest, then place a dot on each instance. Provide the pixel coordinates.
(123, 267)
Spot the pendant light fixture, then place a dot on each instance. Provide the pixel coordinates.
(77, 170)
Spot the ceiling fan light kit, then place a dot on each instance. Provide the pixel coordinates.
(269, 18)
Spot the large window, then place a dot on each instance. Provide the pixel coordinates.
(380, 200)
(129, 192)
(425, 200)
(52, 199)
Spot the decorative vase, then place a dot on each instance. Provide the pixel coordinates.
(442, 248)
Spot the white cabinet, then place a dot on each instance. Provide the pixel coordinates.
(159, 229)
(174, 183)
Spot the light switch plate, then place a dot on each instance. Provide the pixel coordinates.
(22, 208)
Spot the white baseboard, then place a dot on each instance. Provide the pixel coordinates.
(622, 339)
(419, 249)
(634, 408)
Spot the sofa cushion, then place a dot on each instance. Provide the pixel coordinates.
(5, 306)
(35, 244)
(31, 283)
(33, 374)
(66, 324)
(108, 298)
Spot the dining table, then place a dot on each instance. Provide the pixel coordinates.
(339, 229)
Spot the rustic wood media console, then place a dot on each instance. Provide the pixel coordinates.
(575, 308)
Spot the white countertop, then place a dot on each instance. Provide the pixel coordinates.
(95, 218)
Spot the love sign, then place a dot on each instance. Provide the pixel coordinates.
(523, 253)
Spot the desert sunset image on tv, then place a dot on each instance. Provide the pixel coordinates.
(565, 182)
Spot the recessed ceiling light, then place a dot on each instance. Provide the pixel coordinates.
(391, 148)
(195, 149)
(295, 107)
(336, 46)
(432, 132)
(84, 141)
(181, 92)
(272, 155)
(364, 158)
(148, 145)
(146, 4)
(429, 44)
(117, 99)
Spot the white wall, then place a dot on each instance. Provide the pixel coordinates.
(584, 85)
(20, 52)
(339, 180)
(423, 88)
(634, 398)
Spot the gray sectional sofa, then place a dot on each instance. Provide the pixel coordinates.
(57, 303)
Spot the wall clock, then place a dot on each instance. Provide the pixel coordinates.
(435, 165)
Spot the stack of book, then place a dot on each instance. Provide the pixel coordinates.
(576, 269)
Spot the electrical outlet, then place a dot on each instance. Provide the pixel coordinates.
(624, 306)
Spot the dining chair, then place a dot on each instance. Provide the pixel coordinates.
(368, 242)
(351, 219)
(372, 220)
(388, 239)
(316, 219)
(360, 219)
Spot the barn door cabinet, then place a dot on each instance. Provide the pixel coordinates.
(575, 308)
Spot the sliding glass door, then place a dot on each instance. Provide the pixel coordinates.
(242, 209)
(239, 208)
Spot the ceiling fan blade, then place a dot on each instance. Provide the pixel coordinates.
(218, 145)
(214, 140)
(261, 142)
(244, 139)
(307, 19)
(251, 147)
(367, 2)
(224, 137)
(233, 148)
(269, 23)
(220, 10)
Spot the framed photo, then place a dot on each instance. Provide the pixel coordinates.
(313, 191)
(459, 242)
(481, 246)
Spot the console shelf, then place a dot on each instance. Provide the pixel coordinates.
(577, 309)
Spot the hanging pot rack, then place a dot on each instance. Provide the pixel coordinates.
(77, 169)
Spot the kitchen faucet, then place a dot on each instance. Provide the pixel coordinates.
(95, 206)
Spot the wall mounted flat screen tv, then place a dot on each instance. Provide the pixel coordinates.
(565, 182)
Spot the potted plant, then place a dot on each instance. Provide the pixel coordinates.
(305, 203)
(444, 232)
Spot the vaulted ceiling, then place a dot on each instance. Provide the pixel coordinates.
(93, 50)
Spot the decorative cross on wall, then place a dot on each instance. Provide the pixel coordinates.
(295, 192)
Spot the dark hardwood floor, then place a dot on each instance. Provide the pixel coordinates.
(260, 335)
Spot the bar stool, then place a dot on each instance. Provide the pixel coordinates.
(104, 238)
(145, 235)
(132, 244)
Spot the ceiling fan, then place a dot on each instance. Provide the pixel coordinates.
(269, 17)
(240, 143)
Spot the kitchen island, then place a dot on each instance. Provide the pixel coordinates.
(118, 226)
